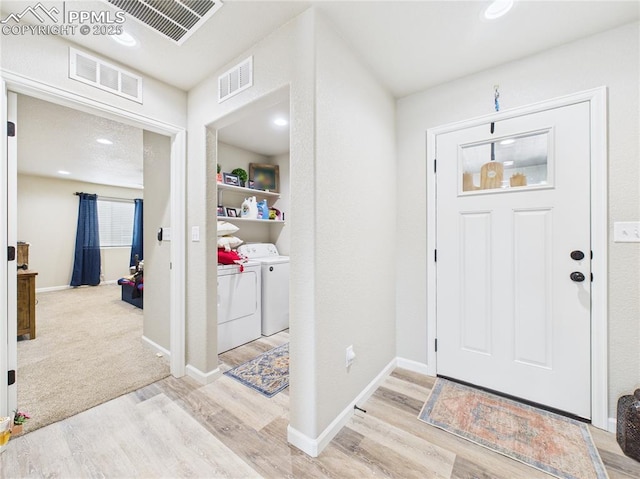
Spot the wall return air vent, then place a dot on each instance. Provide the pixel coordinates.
(235, 80)
(175, 19)
(100, 74)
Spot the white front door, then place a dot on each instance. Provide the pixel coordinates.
(513, 257)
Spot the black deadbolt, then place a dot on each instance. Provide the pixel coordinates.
(577, 255)
(577, 277)
(270, 268)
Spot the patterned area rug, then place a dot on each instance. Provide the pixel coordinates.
(267, 374)
(552, 443)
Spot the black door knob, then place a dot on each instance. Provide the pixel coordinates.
(577, 255)
(577, 276)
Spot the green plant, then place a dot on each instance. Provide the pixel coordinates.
(219, 167)
(242, 174)
(20, 417)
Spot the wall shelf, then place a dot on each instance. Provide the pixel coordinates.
(233, 219)
(247, 191)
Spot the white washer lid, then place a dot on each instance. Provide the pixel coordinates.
(273, 260)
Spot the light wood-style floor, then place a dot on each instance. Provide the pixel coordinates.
(179, 428)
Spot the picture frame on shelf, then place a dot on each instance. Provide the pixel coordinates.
(265, 177)
(230, 179)
(232, 212)
(221, 211)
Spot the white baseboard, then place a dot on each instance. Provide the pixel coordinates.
(413, 366)
(313, 447)
(613, 425)
(52, 288)
(156, 347)
(66, 286)
(203, 378)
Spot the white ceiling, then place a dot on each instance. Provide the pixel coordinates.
(53, 138)
(408, 45)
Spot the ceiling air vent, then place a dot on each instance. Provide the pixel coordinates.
(175, 19)
(100, 74)
(235, 80)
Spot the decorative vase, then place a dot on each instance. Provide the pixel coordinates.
(17, 429)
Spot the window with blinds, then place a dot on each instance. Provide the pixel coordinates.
(115, 220)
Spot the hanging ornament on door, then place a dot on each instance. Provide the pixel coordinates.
(496, 97)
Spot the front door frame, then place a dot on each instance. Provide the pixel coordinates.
(177, 317)
(597, 99)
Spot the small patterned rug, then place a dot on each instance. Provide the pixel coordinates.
(552, 443)
(267, 374)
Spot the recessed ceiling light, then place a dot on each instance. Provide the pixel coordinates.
(508, 163)
(63, 172)
(125, 39)
(280, 122)
(509, 141)
(498, 8)
(104, 141)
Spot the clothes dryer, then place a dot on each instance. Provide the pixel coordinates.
(275, 285)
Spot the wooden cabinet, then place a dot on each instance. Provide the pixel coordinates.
(27, 303)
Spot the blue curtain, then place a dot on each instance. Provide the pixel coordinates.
(86, 266)
(137, 240)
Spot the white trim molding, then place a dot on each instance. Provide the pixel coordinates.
(597, 99)
(413, 366)
(156, 347)
(203, 378)
(313, 447)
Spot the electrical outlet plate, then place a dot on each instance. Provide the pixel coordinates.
(351, 356)
(626, 232)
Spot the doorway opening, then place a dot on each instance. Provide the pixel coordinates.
(177, 151)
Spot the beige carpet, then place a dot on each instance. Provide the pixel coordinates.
(88, 350)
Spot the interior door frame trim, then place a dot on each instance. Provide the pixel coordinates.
(12, 81)
(597, 99)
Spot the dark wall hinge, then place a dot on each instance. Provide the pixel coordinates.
(11, 375)
(11, 253)
(436, 341)
(434, 166)
(11, 128)
(592, 277)
(493, 127)
(435, 255)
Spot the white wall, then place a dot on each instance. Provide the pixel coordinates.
(157, 260)
(610, 59)
(280, 234)
(355, 247)
(46, 59)
(48, 220)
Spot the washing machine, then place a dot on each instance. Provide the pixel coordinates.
(239, 304)
(275, 285)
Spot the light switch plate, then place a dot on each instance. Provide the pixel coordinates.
(195, 233)
(166, 234)
(626, 232)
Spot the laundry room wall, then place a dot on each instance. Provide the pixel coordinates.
(282, 69)
(342, 153)
(609, 59)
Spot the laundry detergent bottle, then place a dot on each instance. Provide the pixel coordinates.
(263, 210)
(249, 208)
